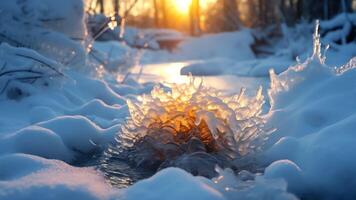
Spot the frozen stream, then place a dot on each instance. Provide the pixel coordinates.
(170, 73)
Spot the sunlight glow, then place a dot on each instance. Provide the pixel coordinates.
(182, 5)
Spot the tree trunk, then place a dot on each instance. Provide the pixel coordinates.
(231, 17)
(156, 13)
(299, 9)
(101, 6)
(195, 18)
(116, 5)
(164, 13)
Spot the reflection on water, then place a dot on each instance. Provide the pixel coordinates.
(170, 73)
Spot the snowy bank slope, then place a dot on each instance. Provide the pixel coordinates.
(30, 177)
(54, 29)
(314, 114)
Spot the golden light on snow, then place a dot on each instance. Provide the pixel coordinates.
(165, 73)
(172, 73)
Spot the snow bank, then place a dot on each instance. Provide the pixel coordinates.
(233, 45)
(246, 185)
(47, 26)
(62, 118)
(175, 183)
(339, 28)
(172, 183)
(210, 67)
(253, 68)
(38, 141)
(66, 16)
(293, 45)
(312, 108)
(64, 138)
(30, 177)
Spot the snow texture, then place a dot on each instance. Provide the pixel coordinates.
(71, 109)
(312, 110)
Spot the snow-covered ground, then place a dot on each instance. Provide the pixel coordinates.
(60, 108)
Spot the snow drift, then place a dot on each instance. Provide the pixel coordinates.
(312, 110)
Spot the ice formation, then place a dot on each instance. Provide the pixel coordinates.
(249, 186)
(192, 127)
(313, 68)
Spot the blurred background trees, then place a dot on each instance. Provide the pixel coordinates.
(204, 16)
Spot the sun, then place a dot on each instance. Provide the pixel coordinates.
(182, 5)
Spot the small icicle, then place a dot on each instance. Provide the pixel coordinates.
(316, 42)
(259, 93)
(317, 45)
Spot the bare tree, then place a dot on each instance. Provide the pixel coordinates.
(116, 5)
(164, 13)
(195, 18)
(231, 15)
(156, 13)
(101, 6)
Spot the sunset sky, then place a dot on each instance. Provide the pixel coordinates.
(181, 6)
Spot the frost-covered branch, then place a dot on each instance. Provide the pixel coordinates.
(26, 66)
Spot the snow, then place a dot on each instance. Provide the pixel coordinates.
(78, 106)
(29, 177)
(235, 45)
(41, 26)
(172, 183)
(246, 185)
(313, 113)
(345, 21)
(287, 170)
(252, 68)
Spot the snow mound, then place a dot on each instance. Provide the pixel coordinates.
(42, 26)
(210, 67)
(38, 141)
(22, 65)
(66, 138)
(234, 45)
(312, 109)
(30, 177)
(172, 183)
(246, 185)
(318, 85)
(339, 29)
(77, 132)
(222, 66)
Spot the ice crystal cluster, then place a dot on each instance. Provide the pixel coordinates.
(192, 127)
(313, 69)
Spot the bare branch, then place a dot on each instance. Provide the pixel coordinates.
(130, 8)
(41, 62)
(3, 66)
(20, 70)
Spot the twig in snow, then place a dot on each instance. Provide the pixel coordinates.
(41, 62)
(20, 70)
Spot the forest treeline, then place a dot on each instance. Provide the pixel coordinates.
(228, 15)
